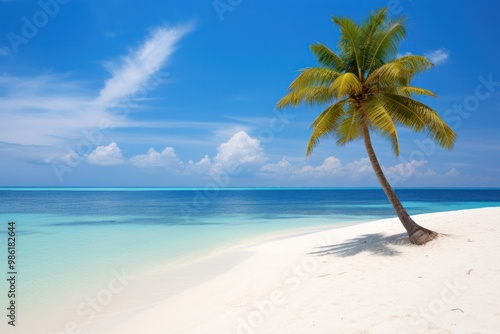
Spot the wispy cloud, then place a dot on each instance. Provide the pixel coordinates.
(133, 71)
(54, 109)
(438, 56)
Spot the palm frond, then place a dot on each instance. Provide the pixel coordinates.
(409, 90)
(346, 84)
(314, 76)
(369, 29)
(399, 71)
(327, 57)
(325, 123)
(385, 45)
(418, 117)
(349, 127)
(381, 121)
(350, 43)
(310, 95)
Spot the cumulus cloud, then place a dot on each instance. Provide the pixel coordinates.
(405, 170)
(282, 167)
(204, 166)
(165, 158)
(438, 56)
(331, 167)
(106, 155)
(243, 155)
(334, 168)
(240, 151)
(452, 173)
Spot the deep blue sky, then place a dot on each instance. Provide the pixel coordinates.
(189, 90)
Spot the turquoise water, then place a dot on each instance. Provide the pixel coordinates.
(70, 240)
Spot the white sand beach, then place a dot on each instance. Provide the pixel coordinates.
(365, 278)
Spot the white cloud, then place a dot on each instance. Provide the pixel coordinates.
(331, 167)
(359, 168)
(54, 110)
(35, 153)
(165, 158)
(405, 170)
(438, 56)
(240, 151)
(452, 173)
(282, 167)
(204, 166)
(110, 155)
(133, 71)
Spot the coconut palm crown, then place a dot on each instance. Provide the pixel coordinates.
(366, 88)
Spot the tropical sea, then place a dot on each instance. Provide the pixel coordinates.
(70, 241)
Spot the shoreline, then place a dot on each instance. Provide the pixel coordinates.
(198, 270)
(149, 287)
(282, 264)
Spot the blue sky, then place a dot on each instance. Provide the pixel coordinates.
(183, 93)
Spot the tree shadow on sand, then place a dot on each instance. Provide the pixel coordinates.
(375, 243)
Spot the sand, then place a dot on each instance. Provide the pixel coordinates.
(365, 278)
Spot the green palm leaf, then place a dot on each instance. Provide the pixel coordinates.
(349, 127)
(350, 42)
(346, 84)
(418, 116)
(325, 123)
(381, 121)
(409, 90)
(327, 57)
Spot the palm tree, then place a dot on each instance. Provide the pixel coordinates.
(366, 88)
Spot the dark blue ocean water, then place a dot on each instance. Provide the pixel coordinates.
(71, 239)
(183, 206)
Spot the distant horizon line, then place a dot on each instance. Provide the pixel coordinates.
(145, 188)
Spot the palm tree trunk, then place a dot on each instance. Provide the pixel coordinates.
(418, 234)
